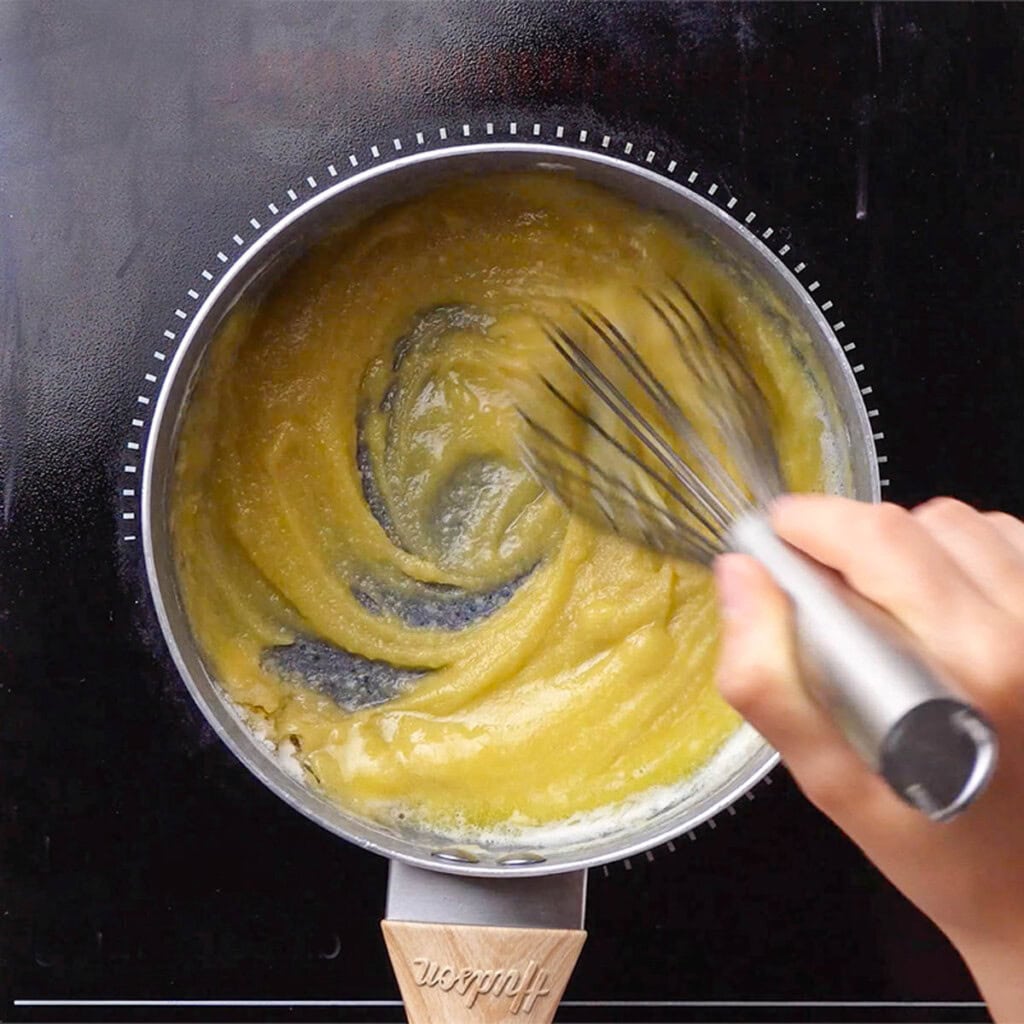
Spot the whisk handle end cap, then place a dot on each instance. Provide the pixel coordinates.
(939, 757)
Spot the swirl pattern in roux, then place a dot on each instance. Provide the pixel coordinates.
(368, 566)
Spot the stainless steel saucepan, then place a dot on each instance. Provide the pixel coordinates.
(475, 933)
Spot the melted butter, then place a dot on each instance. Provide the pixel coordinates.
(348, 480)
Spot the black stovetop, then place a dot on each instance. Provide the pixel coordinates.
(141, 863)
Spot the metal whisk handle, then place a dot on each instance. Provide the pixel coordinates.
(935, 750)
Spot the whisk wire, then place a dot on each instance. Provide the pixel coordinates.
(623, 508)
(639, 426)
(713, 377)
(722, 483)
(669, 487)
(743, 394)
(659, 479)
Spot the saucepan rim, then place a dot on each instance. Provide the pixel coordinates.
(172, 402)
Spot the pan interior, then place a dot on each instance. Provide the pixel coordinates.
(581, 838)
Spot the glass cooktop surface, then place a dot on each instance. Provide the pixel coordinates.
(146, 875)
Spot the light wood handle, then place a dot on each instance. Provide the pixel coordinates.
(477, 974)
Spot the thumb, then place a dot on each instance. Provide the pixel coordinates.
(756, 665)
(758, 674)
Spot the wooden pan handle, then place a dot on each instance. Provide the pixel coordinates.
(479, 974)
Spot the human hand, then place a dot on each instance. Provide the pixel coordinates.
(954, 578)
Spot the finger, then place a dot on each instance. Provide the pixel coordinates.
(1011, 528)
(758, 675)
(880, 549)
(980, 548)
(891, 559)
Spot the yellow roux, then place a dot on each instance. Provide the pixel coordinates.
(592, 683)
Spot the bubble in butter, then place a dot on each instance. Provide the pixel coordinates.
(368, 567)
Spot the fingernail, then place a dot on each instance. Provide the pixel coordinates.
(783, 503)
(731, 587)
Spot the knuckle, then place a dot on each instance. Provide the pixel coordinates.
(888, 523)
(943, 510)
(1002, 519)
(1009, 527)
